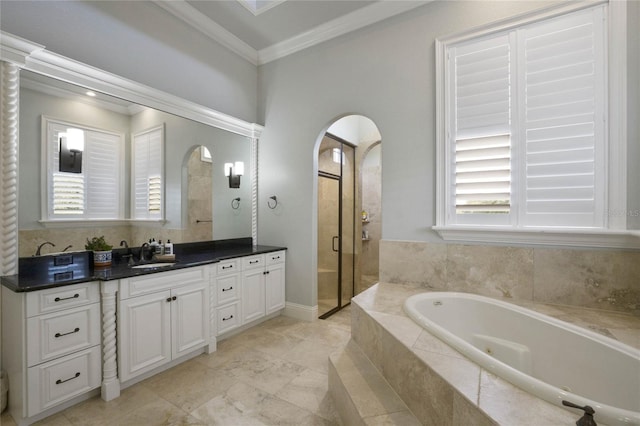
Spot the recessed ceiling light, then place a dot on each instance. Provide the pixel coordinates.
(90, 93)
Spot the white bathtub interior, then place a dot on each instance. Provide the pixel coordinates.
(550, 358)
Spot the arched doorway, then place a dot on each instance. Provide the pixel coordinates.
(340, 214)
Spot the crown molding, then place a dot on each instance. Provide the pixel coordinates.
(259, 10)
(353, 21)
(50, 64)
(345, 24)
(196, 19)
(16, 50)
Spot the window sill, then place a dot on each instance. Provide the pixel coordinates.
(91, 223)
(545, 237)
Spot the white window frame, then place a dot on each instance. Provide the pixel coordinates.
(149, 217)
(47, 217)
(614, 234)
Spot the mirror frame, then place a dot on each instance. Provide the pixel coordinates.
(19, 54)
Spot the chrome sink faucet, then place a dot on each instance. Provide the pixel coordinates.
(43, 244)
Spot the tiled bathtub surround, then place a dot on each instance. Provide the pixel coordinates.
(603, 279)
(442, 387)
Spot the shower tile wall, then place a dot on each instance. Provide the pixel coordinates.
(601, 279)
(369, 259)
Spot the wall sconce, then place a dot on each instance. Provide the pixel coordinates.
(71, 147)
(233, 171)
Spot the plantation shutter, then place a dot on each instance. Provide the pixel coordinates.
(147, 176)
(95, 193)
(527, 125)
(564, 121)
(482, 141)
(102, 163)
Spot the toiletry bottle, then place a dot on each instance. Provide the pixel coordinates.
(168, 247)
(160, 248)
(154, 246)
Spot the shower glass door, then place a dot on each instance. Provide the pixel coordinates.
(336, 225)
(328, 244)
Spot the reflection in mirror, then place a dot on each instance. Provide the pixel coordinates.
(42, 96)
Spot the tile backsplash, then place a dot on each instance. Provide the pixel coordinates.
(604, 279)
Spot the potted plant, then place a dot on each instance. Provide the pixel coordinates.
(101, 251)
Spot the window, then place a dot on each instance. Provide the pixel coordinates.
(147, 174)
(95, 193)
(523, 136)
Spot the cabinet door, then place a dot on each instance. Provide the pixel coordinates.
(190, 318)
(145, 333)
(252, 295)
(274, 288)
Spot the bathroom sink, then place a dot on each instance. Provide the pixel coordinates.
(152, 265)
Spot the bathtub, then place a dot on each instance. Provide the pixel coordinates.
(546, 357)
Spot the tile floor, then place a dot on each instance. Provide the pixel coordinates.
(272, 374)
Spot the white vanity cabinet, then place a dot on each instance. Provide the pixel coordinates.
(51, 346)
(226, 278)
(161, 317)
(253, 288)
(274, 282)
(247, 289)
(263, 285)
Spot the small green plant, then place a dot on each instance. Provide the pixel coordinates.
(97, 244)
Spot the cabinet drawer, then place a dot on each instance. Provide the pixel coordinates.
(275, 257)
(251, 262)
(228, 317)
(160, 281)
(227, 289)
(56, 381)
(55, 299)
(228, 266)
(54, 335)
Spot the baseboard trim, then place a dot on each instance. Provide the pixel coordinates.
(301, 312)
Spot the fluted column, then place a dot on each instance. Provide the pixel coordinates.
(9, 110)
(110, 382)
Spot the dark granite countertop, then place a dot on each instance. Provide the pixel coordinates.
(37, 273)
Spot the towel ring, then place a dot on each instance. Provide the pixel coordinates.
(275, 202)
(235, 203)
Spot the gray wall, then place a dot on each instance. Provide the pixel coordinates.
(387, 73)
(633, 93)
(142, 42)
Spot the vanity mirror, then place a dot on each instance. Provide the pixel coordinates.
(185, 215)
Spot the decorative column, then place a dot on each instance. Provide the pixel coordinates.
(9, 121)
(110, 382)
(254, 191)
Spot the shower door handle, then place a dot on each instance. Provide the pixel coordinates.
(333, 243)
